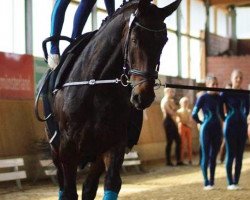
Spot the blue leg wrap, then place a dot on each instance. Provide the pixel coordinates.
(60, 195)
(110, 195)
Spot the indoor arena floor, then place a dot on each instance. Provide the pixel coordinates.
(158, 182)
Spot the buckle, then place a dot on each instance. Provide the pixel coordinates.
(92, 82)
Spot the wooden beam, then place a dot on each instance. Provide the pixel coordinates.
(229, 2)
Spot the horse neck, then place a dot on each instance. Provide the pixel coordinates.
(111, 48)
(105, 50)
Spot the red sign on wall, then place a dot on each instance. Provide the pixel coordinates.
(16, 76)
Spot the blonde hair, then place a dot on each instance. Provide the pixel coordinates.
(211, 77)
(236, 71)
(167, 89)
(182, 100)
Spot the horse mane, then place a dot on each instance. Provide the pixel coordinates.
(122, 7)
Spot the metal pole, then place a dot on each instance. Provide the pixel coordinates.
(207, 29)
(233, 30)
(94, 18)
(188, 16)
(28, 27)
(178, 32)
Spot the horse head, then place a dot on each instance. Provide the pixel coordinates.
(145, 38)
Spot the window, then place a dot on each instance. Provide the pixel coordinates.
(41, 24)
(222, 23)
(171, 20)
(211, 19)
(191, 51)
(169, 57)
(184, 17)
(42, 10)
(243, 25)
(198, 17)
(184, 57)
(12, 22)
(195, 59)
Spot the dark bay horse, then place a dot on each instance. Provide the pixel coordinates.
(93, 107)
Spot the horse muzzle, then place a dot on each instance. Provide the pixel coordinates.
(141, 101)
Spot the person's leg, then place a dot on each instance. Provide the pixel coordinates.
(57, 19)
(110, 6)
(222, 151)
(230, 154)
(205, 150)
(81, 16)
(215, 143)
(168, 131)
(239, 157)
(181, 129)
(177, 139)
(168, 150)
(189, 144)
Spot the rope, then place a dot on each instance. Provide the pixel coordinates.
(188, 87)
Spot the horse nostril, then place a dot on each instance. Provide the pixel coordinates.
(137, 98)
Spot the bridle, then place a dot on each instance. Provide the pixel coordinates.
(124, 79)
(127, 69)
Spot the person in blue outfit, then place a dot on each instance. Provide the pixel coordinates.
(210, 131)
(235, 129)
(57, 19)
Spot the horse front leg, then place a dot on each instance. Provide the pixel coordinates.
(90, 186)
(113, 162)
(69, 160)
(60, 178)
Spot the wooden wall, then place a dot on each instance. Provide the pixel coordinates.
(19, 133)
(152, 141)
(223, 66)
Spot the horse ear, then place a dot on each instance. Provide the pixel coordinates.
(168, 10)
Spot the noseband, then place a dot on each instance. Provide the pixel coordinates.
(145, 74)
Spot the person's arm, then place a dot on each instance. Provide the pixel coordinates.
(166, 107)
(222, 108)
(178, 117)
(163, 102)
(247, 106)
(196, 109)
(171, 111)
(190, 118)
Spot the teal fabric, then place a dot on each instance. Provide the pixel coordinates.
(110, 195)
(60, 195)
